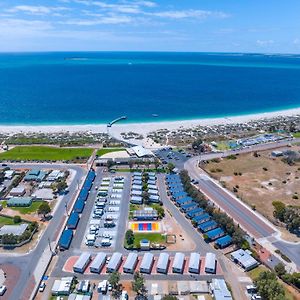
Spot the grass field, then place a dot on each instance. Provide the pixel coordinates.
(296, 134)
(43, 153)
(103, 151)
(6, 221)
(28, 210)
(152, 237)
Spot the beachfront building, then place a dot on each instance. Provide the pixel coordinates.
(139, 151)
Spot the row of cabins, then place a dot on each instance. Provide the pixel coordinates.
(147, 263)
(137, 188)
(196, 214)
(73, 220)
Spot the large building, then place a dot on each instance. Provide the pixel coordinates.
(13, 229)
(146, 214)
(19, 201)
(244, 259)
(220, 290)
(139, 151)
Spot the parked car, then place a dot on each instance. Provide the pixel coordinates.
(42, 286)
(2, 290)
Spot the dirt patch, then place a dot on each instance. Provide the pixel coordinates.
(259, 181)
(183, 240)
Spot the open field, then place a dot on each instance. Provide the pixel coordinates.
(6, 221)
(259, 181)
(26, 210)
(152, 237)
(156, 238)
(103, 151)
(42, 153)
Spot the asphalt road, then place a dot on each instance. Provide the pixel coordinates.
(27, 263)
(250, 221)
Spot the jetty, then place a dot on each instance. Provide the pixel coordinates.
(116, 120)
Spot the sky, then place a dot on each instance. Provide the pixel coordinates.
(265, 26)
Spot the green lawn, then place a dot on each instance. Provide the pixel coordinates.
(152, 237)
(255, 272)
(296, 134)
(30, 209)
(42, 153)
(103, 151)
(6, 221)
(223, 146)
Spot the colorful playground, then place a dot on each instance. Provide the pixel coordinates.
(145, 226)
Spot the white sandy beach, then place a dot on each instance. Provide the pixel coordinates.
(144, 128)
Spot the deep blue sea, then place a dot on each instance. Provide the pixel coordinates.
(96, 87)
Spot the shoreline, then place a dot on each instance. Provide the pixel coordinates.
(146, 127)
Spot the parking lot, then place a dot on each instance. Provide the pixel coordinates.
(102, 227)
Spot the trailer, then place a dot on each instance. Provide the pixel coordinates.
(73, 220)
(194, 263)
(147, 263)
(178, 263)
(130, 263)
(114, 262)
(65, 239)
(163, 263)
(210, 263)
(98, 263)
(82, 262)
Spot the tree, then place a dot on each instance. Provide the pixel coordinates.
(129, 236)
(114, 280)
(197, 144)
(9, 239)
(169, 297)
(61, 186)
(170, 167)
(280, 269)
(145, 197)
(138, 285)
(17, 219)
(268, 286)
(156, 163)
(44, 209)
(279, 210)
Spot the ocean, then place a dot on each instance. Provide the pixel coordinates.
(96, 87)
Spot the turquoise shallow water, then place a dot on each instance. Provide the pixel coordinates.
(96, 87)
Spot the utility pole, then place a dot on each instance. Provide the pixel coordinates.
(66, 208)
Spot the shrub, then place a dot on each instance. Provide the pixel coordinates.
(17, 219)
